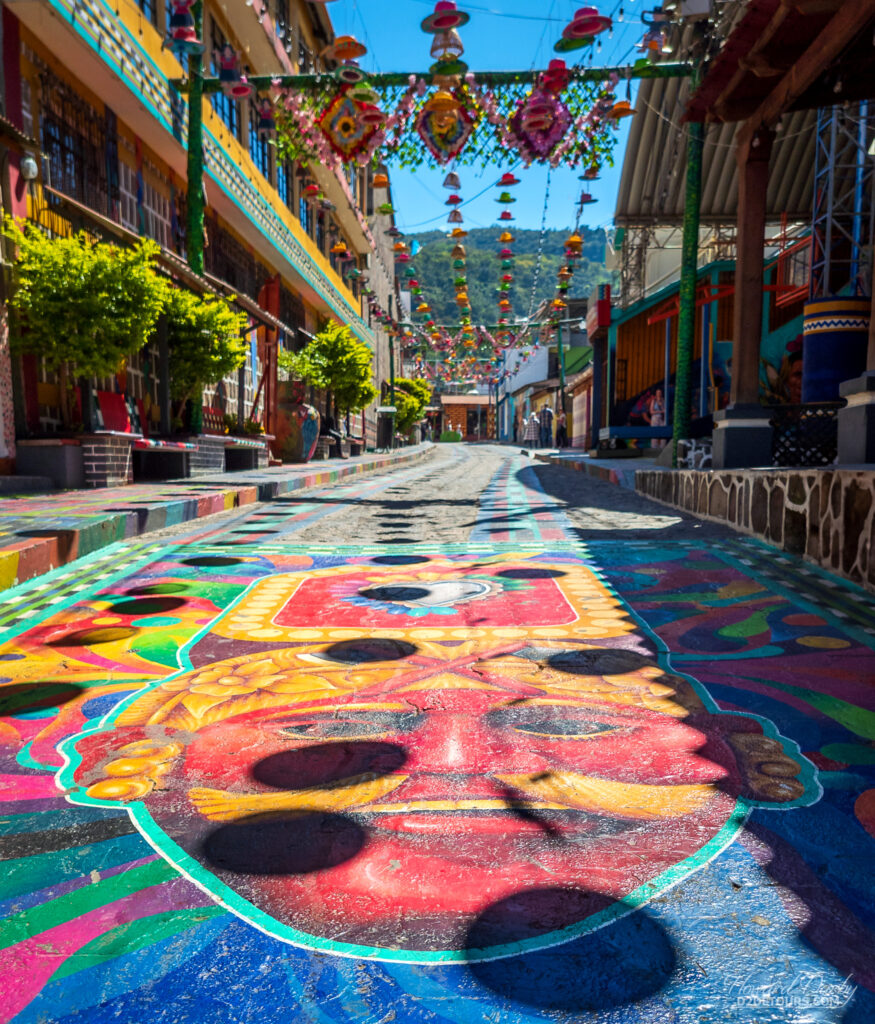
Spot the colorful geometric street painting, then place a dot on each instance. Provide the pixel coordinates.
(505, 782)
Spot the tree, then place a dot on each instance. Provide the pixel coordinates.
(205, 340)
(411, 398)
(83, 306)
(337, 361)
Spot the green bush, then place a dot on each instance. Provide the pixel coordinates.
(204, 336)
(450, 435)
(336, 361)
(411, 399)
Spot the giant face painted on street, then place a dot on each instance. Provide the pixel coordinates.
(401, 750)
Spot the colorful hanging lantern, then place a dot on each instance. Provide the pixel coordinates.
(538, 113)
(507, 180)
(444, 17)
(459, 252)
(392, 232)
(458, 264)
(342, 126)
(339, 248)
(346, 48)
(455, 217)
(462, 299)
(350, 73)
(382, 181)
(568, 45)
(458, 233)
(556, 77)
(454, 200)
(506, 254)
(423, 307)
(591, 173)
(386, 210)
(506, 215)
(400, 247)
(620, 109)
(447, 46)
(505, 197)
(452, 181)
(505, 237)
(587, 22)
(585, 199)
(312, 191)
(574, 245)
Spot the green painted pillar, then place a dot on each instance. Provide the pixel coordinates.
(194, 233)
(683, 389)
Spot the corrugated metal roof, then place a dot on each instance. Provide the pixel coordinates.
(652, 183)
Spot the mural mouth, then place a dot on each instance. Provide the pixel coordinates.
(450, 819)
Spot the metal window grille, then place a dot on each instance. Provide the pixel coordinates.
(228, 260)
(292, 314)
(78, 144)
(26, 108)
(156, 215)
(285, 183)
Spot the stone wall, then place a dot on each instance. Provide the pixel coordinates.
(825, 515)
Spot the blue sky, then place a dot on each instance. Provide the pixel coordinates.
(501, 35)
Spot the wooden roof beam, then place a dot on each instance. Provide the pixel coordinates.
(848, 21)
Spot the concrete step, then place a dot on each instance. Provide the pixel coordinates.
(26, 484)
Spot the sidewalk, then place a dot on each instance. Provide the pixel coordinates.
(41, 532)
(614, 471)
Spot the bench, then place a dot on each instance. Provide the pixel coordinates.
(240, 452)
(154, 459)
(324, 445)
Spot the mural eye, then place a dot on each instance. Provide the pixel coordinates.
(561, 728)
(334, 729)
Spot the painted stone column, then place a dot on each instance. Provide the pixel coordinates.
(742, 435)
(857, 419)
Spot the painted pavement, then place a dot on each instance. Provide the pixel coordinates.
(511, 780)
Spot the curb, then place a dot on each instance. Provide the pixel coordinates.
(621, 477)
(48, 545)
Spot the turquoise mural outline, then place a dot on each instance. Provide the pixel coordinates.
(232, 901)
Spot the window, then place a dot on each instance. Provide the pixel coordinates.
(128, 197)
(156, 215)
(150, 10)
(281, 17)
(227, 109)
(26, 108)
(258, 147)
(320, 232)
(305, 215)
(285, 183)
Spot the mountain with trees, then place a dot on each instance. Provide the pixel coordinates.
(435, 273)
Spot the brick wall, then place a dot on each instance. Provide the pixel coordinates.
(107, 461)
(209, 457)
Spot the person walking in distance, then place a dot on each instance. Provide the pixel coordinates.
(546, 427)
(561, 430)
(530, 434)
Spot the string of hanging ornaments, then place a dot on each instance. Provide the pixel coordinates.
(452, 114)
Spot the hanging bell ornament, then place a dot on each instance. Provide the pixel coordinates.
(452, 181)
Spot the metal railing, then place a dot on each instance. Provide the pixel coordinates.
(805, 435)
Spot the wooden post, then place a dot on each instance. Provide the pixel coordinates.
(753, 181)
(742, 433)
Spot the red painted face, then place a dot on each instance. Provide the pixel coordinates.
(394, 820)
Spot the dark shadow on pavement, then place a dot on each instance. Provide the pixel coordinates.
(290, 843)
(324, 764)
(616, 965)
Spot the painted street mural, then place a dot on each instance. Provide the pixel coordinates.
(517, 779)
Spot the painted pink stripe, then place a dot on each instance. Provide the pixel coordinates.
(26, 787)
(26, 967)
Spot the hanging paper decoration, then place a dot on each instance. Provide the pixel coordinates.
(266, 121)
(343, 127)
(234, 84)
(444, 125)
(181, 37)
(539, 124)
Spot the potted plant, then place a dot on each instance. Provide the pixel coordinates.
(83, 307)
(297, 429)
